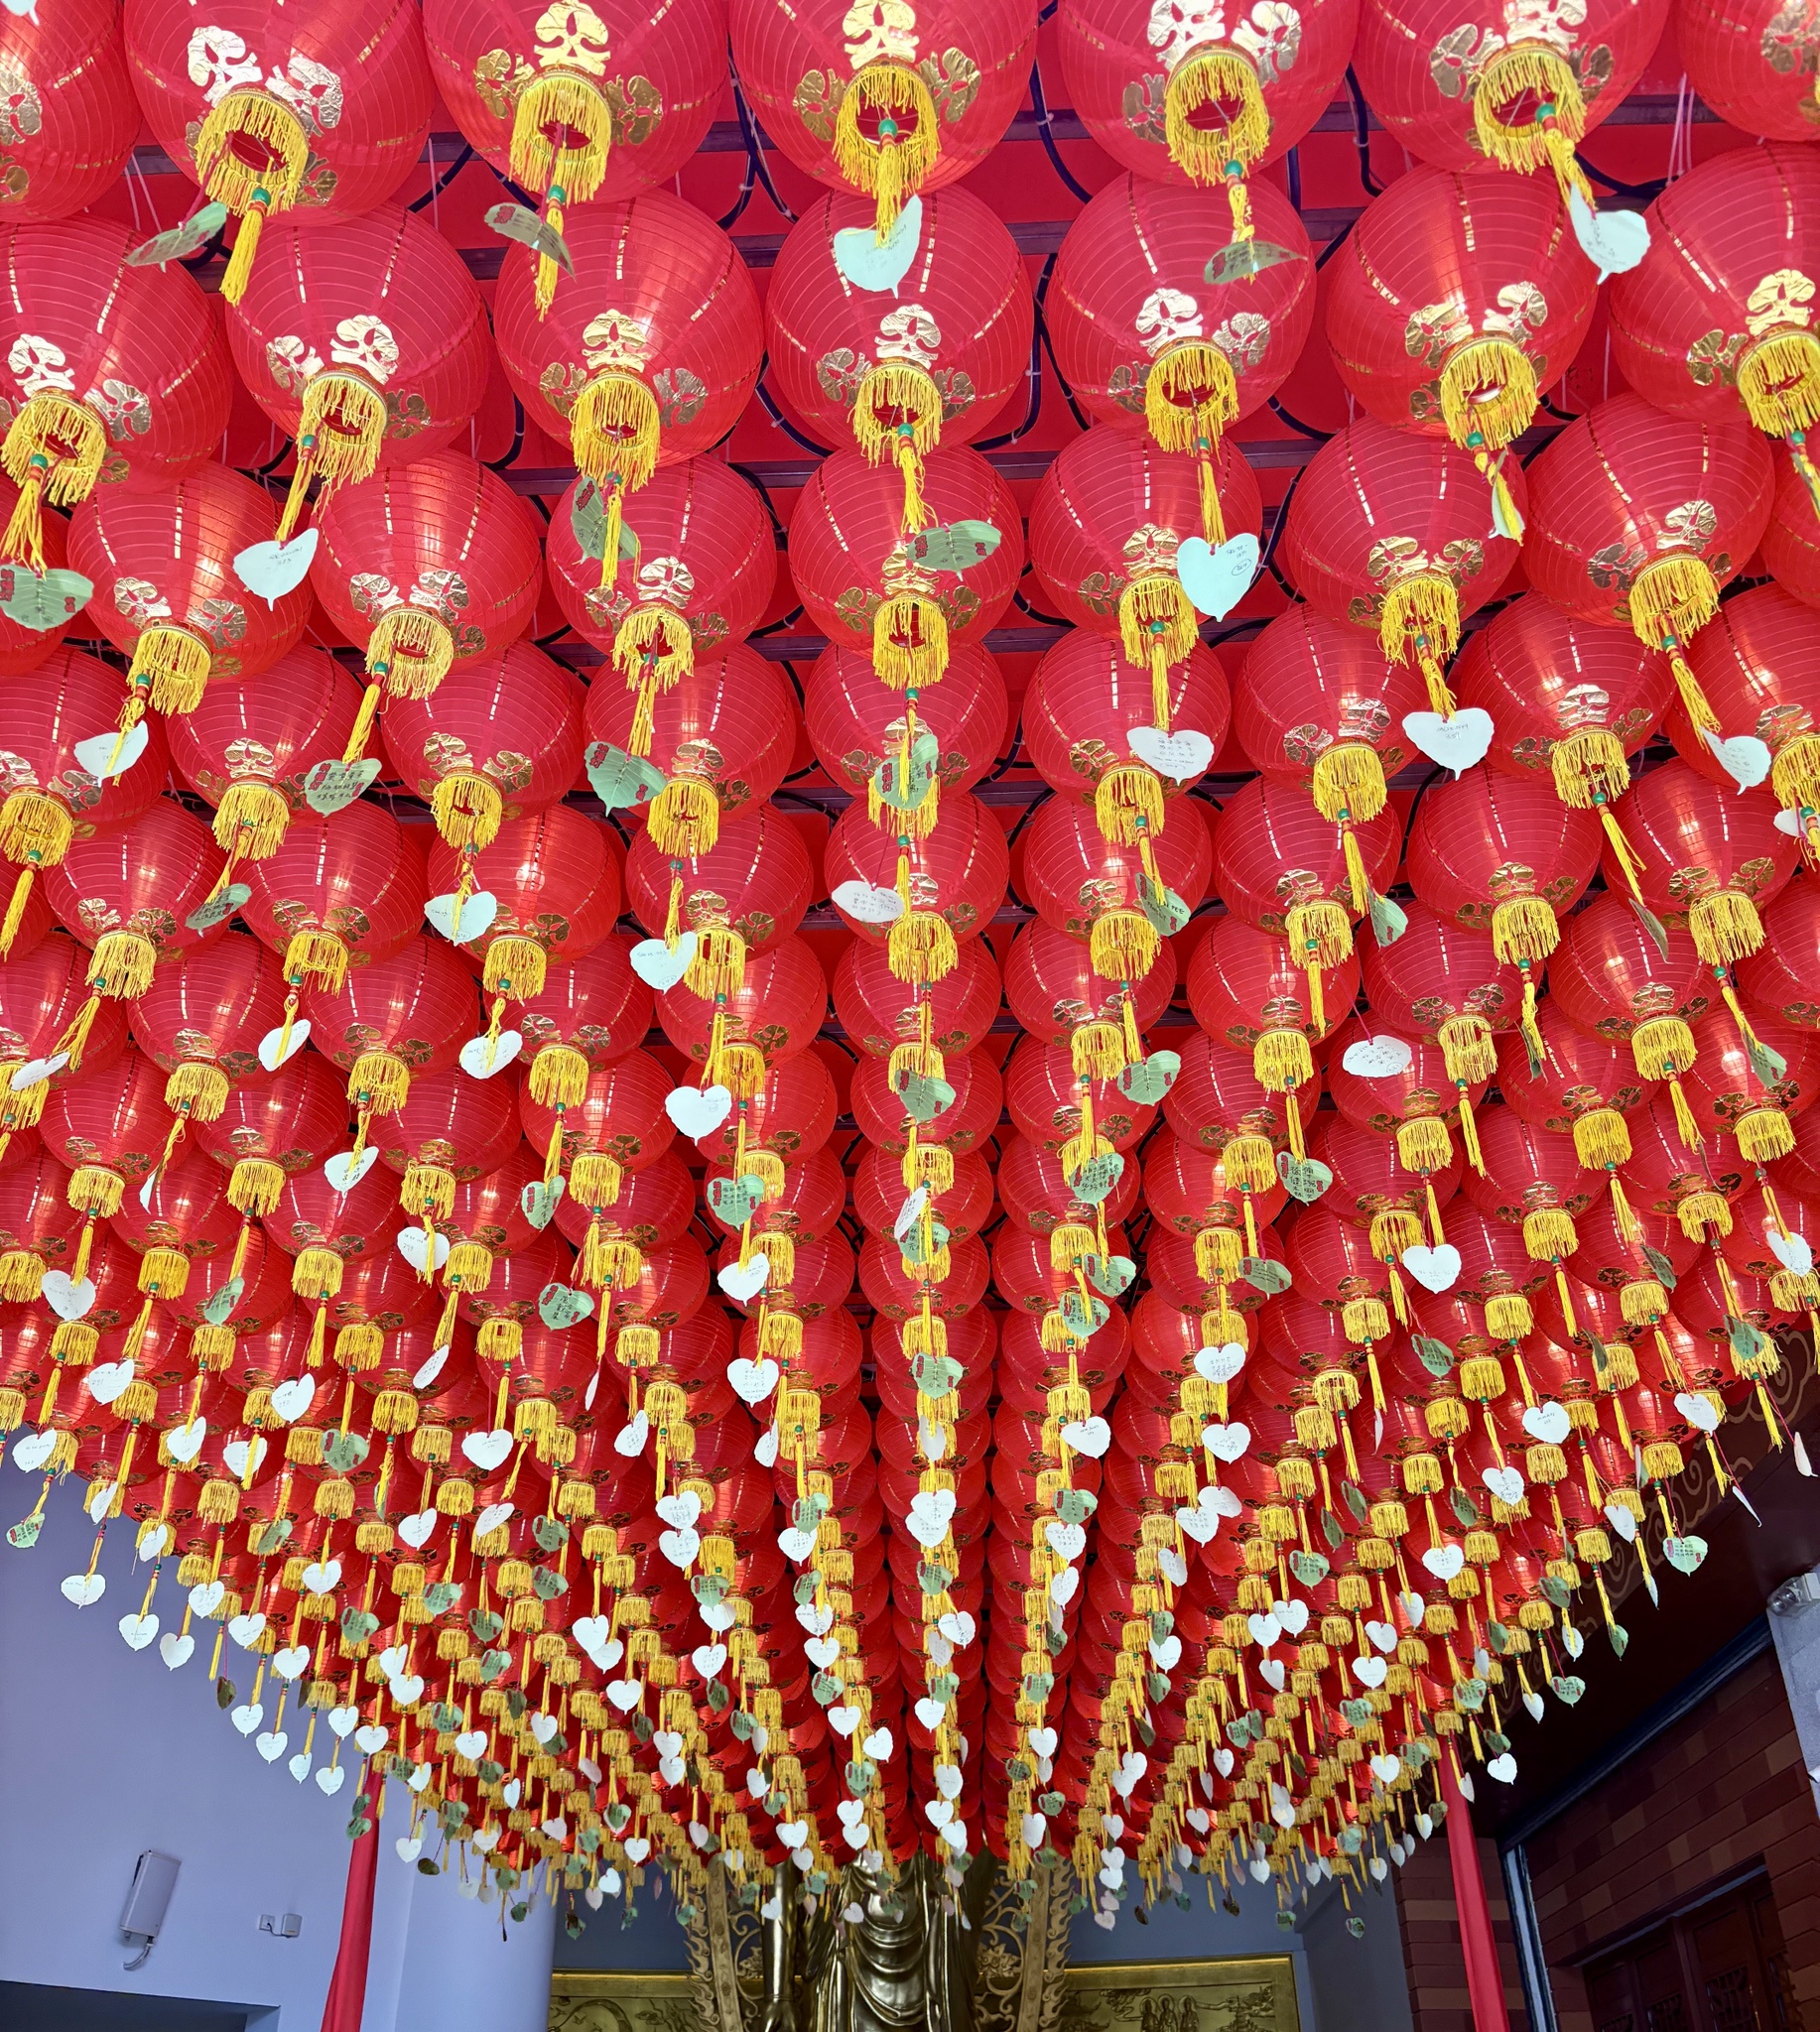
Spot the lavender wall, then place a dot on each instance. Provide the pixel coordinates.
(104, 1753)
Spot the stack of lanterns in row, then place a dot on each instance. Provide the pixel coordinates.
(1217, 1461)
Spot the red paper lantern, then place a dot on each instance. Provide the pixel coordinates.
(202, 1022)
(698, 582)
(38, 1227)
(1501, 853)
(1779, 978)
(42, 990)
(128, 894)
(756, 881)
(1759, 665)
(620, 1115)
(1283, 867)
(1368, 1174)
(1319, 705)
(109, 1128)
(594, 104)
(959, 871)
(1218, 1096)
(595, 1006)
(252, 743)
(855, 720)
(1791, 541)
(555, 880)
(364, 339)
(1457, 299)
(930, 362)
(1728, 1093)
(270, 1130)
(777, 1009)
(500, 738)
(167, 594)
(650, 353)
(1091, 888)
(1053, 989)
(1397, 533)
(268, 115)
(1188, 1189)
(1086, 699)
(338, 892)
(1609, 978)
(453, 1126)
(862, 578)
(1442, 979)
(1577, 1084)
(426, 566)
(1638, 520)
(116, 373)
(50, 799)
(1753, 63)
(69, 119)
(408, 1012)
(792, 1113)
(1521, 88)
(1190, 93)
(881, 1012)
(1247, 988)
(1715, 317)
(968, 1120)
(723, 734)
(1711, 860)
(1565, 696)
(891, 106)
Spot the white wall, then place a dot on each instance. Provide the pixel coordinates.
(104, 1753)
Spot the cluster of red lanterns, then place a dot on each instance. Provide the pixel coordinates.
(462, 1102)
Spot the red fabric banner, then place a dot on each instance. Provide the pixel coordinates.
(346, 1997)
(1484, 1982)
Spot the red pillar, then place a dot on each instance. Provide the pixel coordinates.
(1484, 1982)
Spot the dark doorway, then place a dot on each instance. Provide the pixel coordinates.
(1716, 1966)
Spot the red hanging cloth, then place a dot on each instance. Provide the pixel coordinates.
(346, 1997)
(1484, 1982)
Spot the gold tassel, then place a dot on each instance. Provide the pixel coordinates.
(1549, 1234)
(1601, 1139)
(1128, 804)
(1524, 927)
(1687, 1125)
(1671, 599)
(1319, 933)
(1281, 1059)
(1421, 613)
(1098, 1051)
(1250, 1163)
(1123, 945)
(1518, 72)
(514, 966)
(909, 642)
(1589, 766)
(1469, 1049)
(410, 652)
(558, 1077)
(595, 1179)
(338, 438)
(1348, 783)
(1222, 80)
(1794, 776)
(16, 910)
(1623, 851)
(1724, 927)
(654, 650)
(1700, 1210)
(615, 430)
(122, 965)
(892, 166)
(198, 1089)
(1764, 1135)
(427, 1192)
(54, 450)
(250, 820)
(552, 111)
(467, 810)
(174, 664)
(1157, 628)
(1509, 1317)
(901, 390)
(1779, 381)
(363, 723)
(920, 948)
(21, 1276)
(1487, 396)
(1191, 394)
(717, 969)
(1423, 1145)
(379, 1082)
(318, 954)
(251, 155)
(1662, 1046)
(684, 820)
(255, 1185)
(740, 1069)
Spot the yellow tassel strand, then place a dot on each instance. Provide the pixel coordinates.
(319, 956)
(514, 966)
(1589, 766)
(1319, 933)
(1724, 927)
(1794, 776)
(1421, 621)
(1524, 927)
(1601, 1139)
(898, 409)
(718, 966)
(562, 136)
(251, 155)
(1764, 1135)
(338, 439)
(467, 810)
(909, 642)
(1519, 71)
(122, 964)
(1216, 78)
(1191, 396)
(1282, 1061)
(35, 831)
(1468, 1047)
(684, 820)
(1671, 599)
(1488, 395)
(1423, 1145)
(1348, 782)
(1122, 946)
(920, 948)
(558, 1077)
(411, 652)
(1157, 628)
(1128, 804)
(653, 650)
(613, 431)
(1778, 382)
(255, 1185)
(174, 664)
(891, 165)
(250, 820)
(53, 452)
(198, 1091)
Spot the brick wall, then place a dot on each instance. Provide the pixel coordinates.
(1432, 1960)
(1721, 1789)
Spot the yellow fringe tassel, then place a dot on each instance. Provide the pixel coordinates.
(1764, 1135)
(909, 642)
(921, 947)
(1191, 394)
(613, 431)
(320, 954)
(251, 181)
(558, 1077)
(122, 964)
(1724, 927)
(1794, 774)
(467, 810)
(1128, 804)
(411, 651)
(1524, 927)
(1589, 766)
(898, 408)
(1516, 73)
(1423, 1145)
(1778, 382)
(551, 112)
(53, 452)
(718, 966)
(1421, 617)
(1468, 1047)
(1122, 946)
(198, 1089)
(653, 650)
(1319, 933)
(1348, 783)
(250, 820)
(1157, 628)
(891, 166)
(338, 439)
(1216, 78)
(1487, 396)
(175, 663)
(514, 966)
(684, 820)
(1281, 1059)
(1601, 1139)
